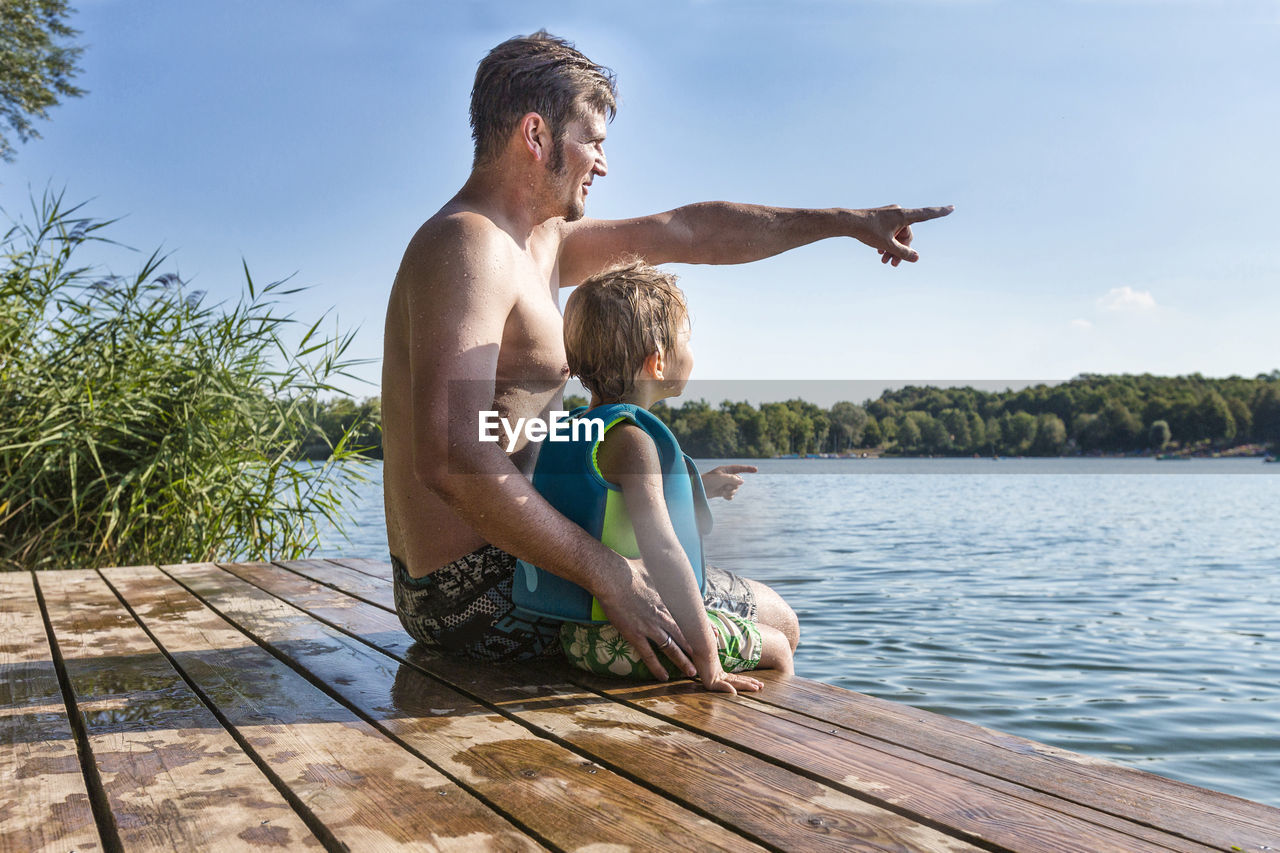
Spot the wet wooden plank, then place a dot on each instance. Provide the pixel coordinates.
(979, 807)
(558, 796)
(351, 581)
(686, 764)
(1210, 817)
(770, 803)
(998, 813)
(981, 776)
(368, 791)
(1199, 815)
(174, 778)
(380, 569)
(44, 802)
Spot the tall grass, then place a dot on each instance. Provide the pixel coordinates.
(139, 424)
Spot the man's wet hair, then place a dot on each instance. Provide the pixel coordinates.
(616, 319)
(541, 74)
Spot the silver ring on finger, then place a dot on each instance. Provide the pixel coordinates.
(665, 642)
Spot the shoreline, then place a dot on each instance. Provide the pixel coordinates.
(1243, 451)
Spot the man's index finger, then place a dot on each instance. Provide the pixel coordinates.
(924, 214)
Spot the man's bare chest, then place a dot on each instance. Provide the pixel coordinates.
(532, 350)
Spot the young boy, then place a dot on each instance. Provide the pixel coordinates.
(627, 340)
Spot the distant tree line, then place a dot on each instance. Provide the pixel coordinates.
(1091, 414)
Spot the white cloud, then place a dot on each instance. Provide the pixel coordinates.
(1080, 323)
(1127, 299)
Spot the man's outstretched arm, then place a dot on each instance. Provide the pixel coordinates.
(457, 300)
(721, 232)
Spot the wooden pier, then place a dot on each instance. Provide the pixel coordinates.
(282, 707)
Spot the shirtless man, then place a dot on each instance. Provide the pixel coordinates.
(474, 325)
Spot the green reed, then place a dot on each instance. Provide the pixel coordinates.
(140, 425)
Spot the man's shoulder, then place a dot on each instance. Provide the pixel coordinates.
(457, 246)
(454, 228)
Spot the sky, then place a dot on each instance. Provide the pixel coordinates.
(1114, 166)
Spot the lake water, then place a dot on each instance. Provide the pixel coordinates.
(1128, 609)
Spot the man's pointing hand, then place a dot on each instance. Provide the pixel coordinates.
(888, 230)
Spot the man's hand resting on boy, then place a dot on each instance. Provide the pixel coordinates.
(724, 482)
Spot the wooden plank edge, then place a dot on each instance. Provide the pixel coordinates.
(103, 831)
(307, 568)
(379, 569)
(98, 800)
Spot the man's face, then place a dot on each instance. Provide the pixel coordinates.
(576, 159)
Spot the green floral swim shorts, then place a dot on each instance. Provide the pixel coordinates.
(602, 650)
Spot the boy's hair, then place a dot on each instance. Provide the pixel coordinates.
(614, 320)
(539, 74)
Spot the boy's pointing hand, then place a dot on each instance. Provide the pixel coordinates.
(724, 482)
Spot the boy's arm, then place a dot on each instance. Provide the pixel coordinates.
(628, 458)
(721, 232)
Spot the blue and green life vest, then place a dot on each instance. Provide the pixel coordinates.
(567, 475)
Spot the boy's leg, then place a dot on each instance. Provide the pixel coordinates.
(751, 600)
(600, 649)
(742, 645)
(777, 651)
(773, 611)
